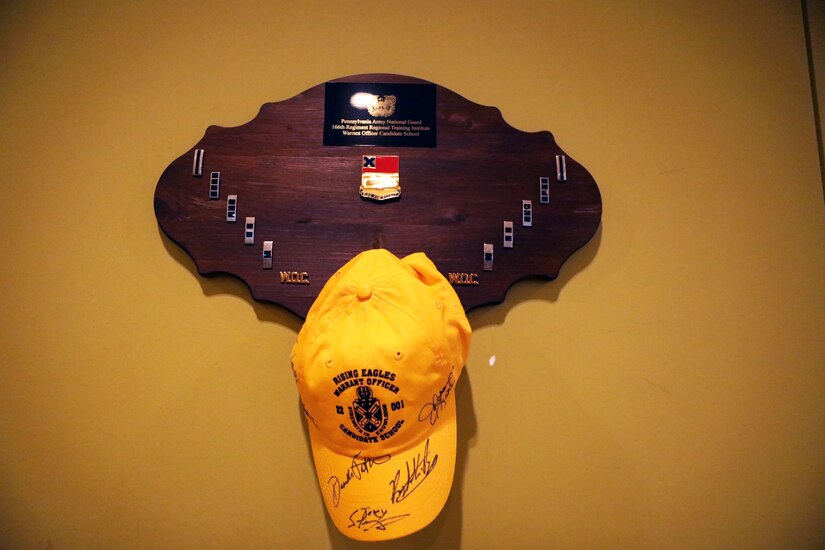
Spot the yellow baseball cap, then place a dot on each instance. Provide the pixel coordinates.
(376, 364)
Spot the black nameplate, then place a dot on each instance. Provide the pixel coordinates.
(394, 115)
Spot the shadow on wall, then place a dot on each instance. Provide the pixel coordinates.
(213, 285)
(536, 288)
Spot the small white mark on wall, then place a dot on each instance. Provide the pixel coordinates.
(492, 360)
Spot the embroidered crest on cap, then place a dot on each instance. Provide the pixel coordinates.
(368, 416)
(367, 413)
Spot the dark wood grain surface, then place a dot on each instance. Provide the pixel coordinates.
(304, 197)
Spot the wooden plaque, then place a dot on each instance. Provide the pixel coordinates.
(483, 187)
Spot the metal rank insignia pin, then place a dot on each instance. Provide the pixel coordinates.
(526, 213)
(214, 185)
(197, 163)
(249, 230)
(488, 257)
(508, 234)
(266, 254)
(231, 208)
(379, 177)
(561, 168)
(544, 190)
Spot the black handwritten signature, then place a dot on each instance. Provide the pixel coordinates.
(365, 518)
(417, 471)
(431, 411)
(357, 469)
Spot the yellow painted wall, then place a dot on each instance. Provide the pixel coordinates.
(668, 391)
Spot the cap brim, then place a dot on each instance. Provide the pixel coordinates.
(382, 498)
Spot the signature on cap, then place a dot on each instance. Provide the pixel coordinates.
(417, 471)
(358, 469)
(431, 411)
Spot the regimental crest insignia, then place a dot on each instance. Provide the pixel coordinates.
(379, 177)
(383, 106)
(368, 414)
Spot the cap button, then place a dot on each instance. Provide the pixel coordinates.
(364, 292)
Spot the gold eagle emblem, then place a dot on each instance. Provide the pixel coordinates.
(384, 106)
